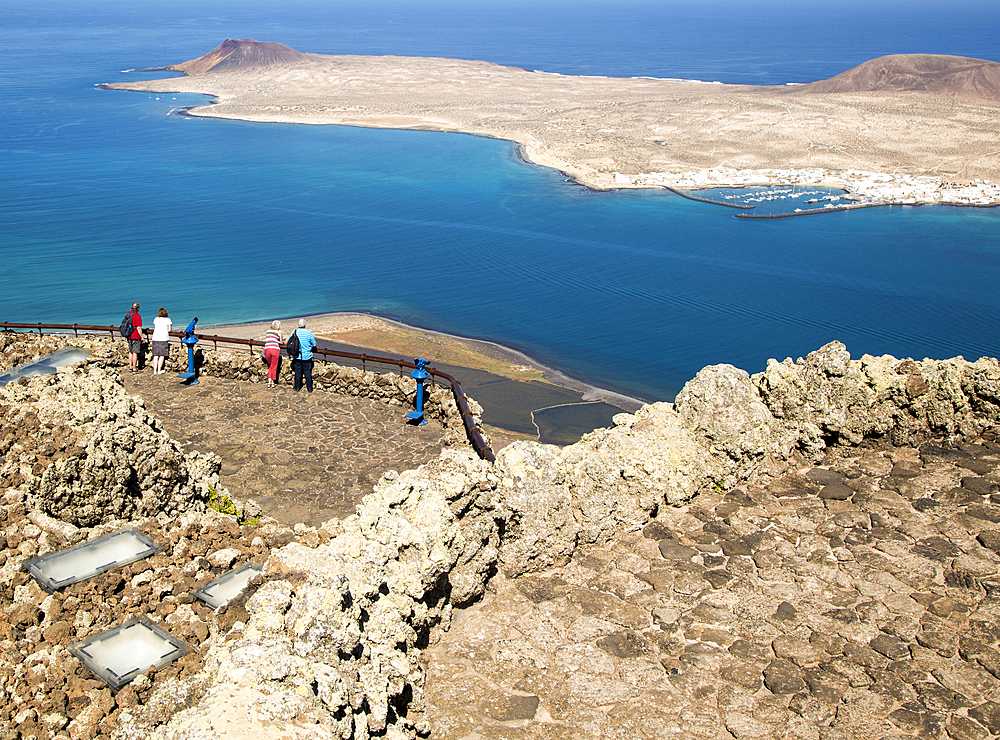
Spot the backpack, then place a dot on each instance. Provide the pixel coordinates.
(126, 327)
(292, 345)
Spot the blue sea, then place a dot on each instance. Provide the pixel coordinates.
(112, 197)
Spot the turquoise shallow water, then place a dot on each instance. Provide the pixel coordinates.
(109, 197)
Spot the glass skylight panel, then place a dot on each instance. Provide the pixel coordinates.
(73, 564)
(227, 587)
(46, 365)
(122, 653)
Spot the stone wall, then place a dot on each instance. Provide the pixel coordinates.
(829, 399)
(245, 365)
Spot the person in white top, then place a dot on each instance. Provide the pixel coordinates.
(161, 340)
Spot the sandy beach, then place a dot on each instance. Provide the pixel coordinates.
(395, 337)
(320, 325)
(634, 132)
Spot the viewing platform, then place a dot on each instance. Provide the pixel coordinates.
(304, 457)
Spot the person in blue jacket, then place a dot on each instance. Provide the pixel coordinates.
(302, 364)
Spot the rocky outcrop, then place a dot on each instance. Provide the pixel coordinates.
(348, 629)
(723, 406)
(86, 452)
(828, 398)
(330, 646)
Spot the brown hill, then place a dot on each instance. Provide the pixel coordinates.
(234, 55)
(935, 73)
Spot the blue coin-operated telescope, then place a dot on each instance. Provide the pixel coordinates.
(191, 376)
(420, 375)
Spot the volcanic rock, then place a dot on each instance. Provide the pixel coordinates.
(239, 54)
(937, 73)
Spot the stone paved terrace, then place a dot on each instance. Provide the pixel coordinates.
(304, 457)
(855, 600)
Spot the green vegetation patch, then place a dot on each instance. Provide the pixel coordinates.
(224, 505)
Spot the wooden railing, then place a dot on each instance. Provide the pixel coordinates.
(364, 360)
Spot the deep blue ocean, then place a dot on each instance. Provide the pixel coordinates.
(111, 197)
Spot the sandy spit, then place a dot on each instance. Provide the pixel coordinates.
(344, 327)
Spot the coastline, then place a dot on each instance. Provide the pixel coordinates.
(377, 333)
(619, 133)
(872, 188)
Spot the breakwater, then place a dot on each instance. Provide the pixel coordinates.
(811, 211)
(683, 194)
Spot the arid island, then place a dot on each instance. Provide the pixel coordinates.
(912, 128)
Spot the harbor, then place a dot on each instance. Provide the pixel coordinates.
(861, 187)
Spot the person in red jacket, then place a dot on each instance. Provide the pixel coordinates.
(135, 341)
